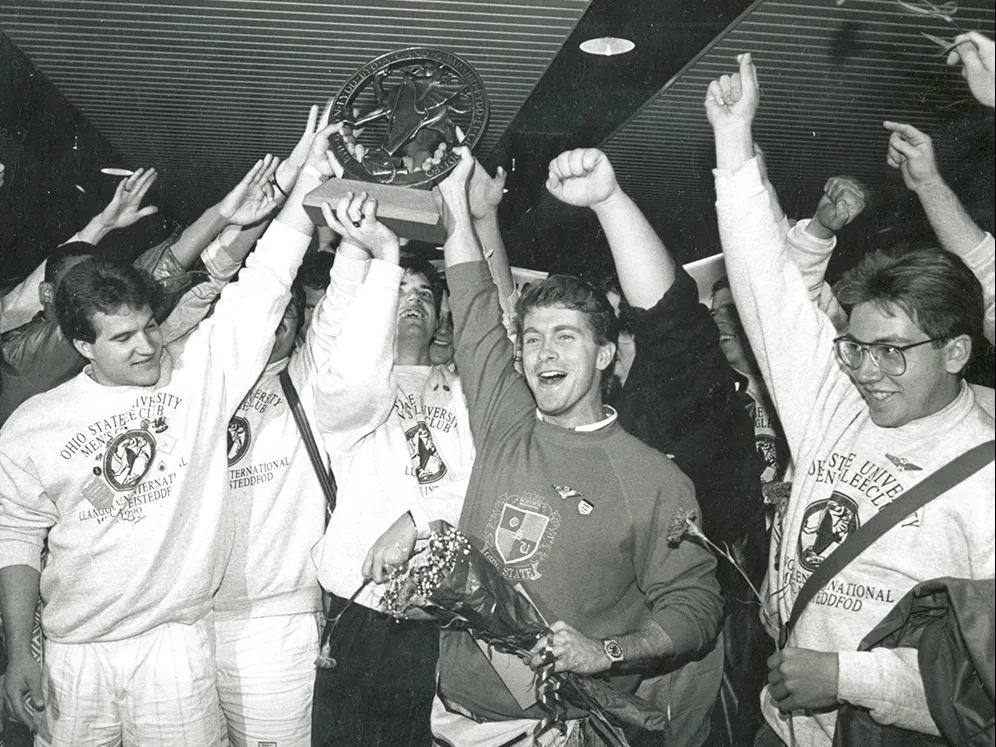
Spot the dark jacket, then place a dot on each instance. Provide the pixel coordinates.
(950, 621)
(680, 398)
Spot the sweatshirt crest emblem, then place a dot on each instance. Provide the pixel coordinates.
(520, 535)
(825, 525)
(128, 459)
(429, 466)
(239, 438)
(903, 464)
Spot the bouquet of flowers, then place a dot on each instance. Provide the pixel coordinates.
(452, 582)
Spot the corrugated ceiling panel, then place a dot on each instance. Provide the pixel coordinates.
(831, 71)
(201, 89)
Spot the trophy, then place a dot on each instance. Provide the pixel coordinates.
(403, 114)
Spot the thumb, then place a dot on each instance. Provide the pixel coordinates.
(37, 694)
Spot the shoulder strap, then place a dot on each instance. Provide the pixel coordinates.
(325, 476)
(948, 476)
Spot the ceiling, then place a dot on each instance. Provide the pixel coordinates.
(201, 89)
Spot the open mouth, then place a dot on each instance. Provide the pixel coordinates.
(411, 313)
(878, 396)
(551, 377)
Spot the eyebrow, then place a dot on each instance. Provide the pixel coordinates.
(887, 340)
(558, 328)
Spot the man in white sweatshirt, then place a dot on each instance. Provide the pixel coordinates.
(123, 471)
(867, 415)
(397, 433)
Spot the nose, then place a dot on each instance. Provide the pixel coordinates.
(145, 345)
(547, 351)
(868, 371)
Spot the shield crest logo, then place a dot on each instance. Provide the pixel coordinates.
(128, 459)
(519, 533)
(239, 438)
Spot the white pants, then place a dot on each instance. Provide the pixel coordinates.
(156, 689)
(266, 679)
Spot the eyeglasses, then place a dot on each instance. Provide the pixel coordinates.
(890, 359)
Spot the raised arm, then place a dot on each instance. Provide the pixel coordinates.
(355, 388)
(584, 178)
(495, 394)
(810, 243)
(912, 152)
(485, 194)
(124, 209)
(791, 338)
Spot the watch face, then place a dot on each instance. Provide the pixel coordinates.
(613, 650)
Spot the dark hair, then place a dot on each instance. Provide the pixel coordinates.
(100, 285)
(723, 282)
(571, 292)
(934, 287)
(298, 300)
(57, 260)
(418, 265)
(315, 268)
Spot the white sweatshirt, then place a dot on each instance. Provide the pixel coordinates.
(847, 469)
(278, 505)
(396, 444)
(129, 483)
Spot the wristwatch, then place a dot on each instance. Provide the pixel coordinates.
(613, 650)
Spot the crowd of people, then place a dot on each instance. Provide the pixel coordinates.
(771, 521)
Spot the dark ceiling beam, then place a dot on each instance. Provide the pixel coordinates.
(582, 99)
(53, 156)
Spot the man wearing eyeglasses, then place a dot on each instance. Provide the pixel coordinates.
(867, 415)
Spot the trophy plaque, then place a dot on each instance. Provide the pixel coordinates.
(404, 113)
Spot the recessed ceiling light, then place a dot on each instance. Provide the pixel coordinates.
(607, 46)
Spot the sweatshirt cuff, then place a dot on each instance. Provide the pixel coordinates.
(350, 269)
(735, 184)
(857, 681)
(385, 275)
(18, 552)
(806, 242)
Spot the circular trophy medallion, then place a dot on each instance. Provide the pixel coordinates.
(405, 111)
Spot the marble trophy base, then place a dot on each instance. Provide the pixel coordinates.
(410, 212)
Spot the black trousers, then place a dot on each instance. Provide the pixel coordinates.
(380, 691)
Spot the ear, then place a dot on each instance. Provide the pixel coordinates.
(46, 293)
(606, 356)
(84, 348)
(958, 351)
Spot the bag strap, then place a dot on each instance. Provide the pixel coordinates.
(325, 476)
(958, 469)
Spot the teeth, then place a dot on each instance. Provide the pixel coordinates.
(551, 375)
(879, 396)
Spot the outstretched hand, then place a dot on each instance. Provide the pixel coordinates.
(977, 56)
(486, 191)
(253, 198)
(287, 173)
(123, 209)
(582, 177)
(843, 200)
(355, 219)
(912, 152)
(732, 100)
